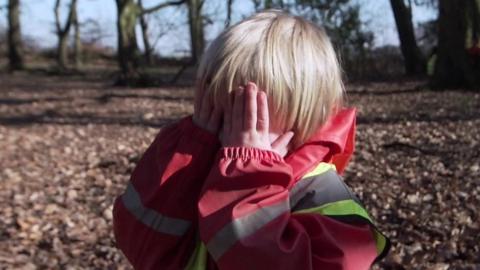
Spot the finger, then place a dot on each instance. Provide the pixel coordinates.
(281, 143)
(250, 111)
(237, 112)
(262, 114)
(215, 120)
(206, 109)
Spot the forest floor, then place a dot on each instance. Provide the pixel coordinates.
(68, 146)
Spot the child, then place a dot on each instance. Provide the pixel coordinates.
(260, 189)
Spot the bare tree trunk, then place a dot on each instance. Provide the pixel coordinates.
(453, 69)
(128, 12)
(62, 50)
(62, 32)
(127, 41)
(146, 41)
(415, 63)
(15, 45)
(77, 45)
(196, 29)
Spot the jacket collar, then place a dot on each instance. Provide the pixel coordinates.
(333, 142)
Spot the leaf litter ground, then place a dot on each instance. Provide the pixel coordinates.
(68, 146)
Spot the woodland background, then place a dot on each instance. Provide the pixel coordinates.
(76, 117)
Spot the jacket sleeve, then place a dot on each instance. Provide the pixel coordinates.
(157, 213)
(246, 222)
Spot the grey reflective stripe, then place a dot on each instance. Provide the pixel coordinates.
(243, 227)
(150, 217)
(318, 190)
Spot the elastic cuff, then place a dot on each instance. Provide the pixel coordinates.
(250, 153)
(196, 133)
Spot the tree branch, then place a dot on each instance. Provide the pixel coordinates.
(201, 4)
(57, 16)
(160, 6)
(229, 13)
(71, 14)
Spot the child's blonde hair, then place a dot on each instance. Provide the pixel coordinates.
(287, 56)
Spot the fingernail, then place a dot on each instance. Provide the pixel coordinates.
(263, 94)
(252, 86)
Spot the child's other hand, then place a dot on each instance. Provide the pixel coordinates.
(247, 123)
(205, 115)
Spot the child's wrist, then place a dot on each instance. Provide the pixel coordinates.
(247, 144)
(244, 152)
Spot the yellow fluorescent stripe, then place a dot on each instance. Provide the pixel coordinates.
(198, 261)
(321, 168)
(380, 240)
(348, 207)
(339, 208)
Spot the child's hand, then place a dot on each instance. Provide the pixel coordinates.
(247, 123)
(204, 115)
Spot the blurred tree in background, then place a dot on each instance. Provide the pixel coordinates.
(77, 40)
(458, 30)
(415, 63)
(196, 22)
(15, 44)
(341, 20)
(128, 13)
(64, 31)
(448, 43)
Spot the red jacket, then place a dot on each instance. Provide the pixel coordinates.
(192, 204)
